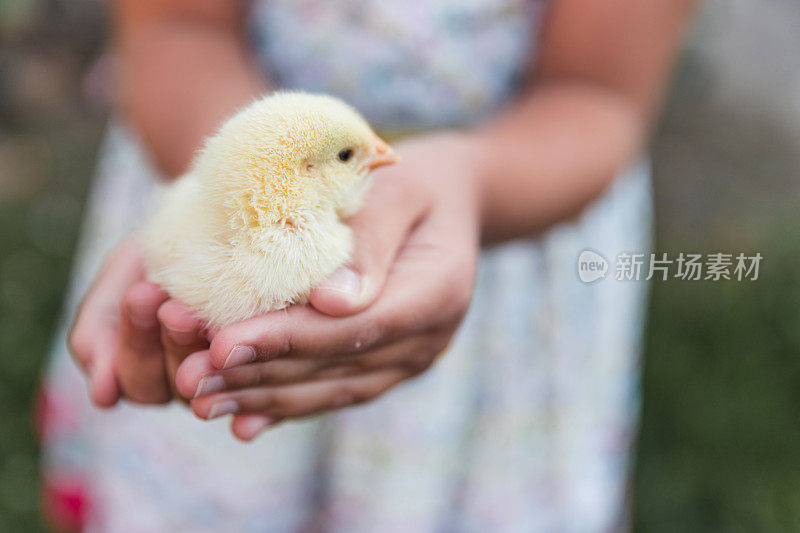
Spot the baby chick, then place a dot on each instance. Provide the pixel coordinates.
(257, 222)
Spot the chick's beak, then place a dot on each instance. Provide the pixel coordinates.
(384, 155)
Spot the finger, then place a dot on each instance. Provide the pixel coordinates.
(104, 389)
(140, 357)
(198, 377)
(97, 313)
(248, 427)
(181, 335)
(190, 374)
(301, 399)
(94, 335)
(379, 228)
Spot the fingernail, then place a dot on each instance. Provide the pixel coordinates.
(209, 385)
(182, 336)
(226, 407)
(343, 280)
(142, 316)
(240, 355)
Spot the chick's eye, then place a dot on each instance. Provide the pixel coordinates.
(345, 155)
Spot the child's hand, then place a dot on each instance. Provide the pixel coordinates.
(107, 331)
(366, 329)
(126, 337)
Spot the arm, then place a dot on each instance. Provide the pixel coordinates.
(601, 71)
(184, 68)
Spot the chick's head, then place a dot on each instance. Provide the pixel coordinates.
(289, 158)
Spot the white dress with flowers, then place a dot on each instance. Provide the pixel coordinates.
(524, 425)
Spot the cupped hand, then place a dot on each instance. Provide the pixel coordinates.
(379, 321)
(127, 336)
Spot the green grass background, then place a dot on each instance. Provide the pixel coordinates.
(719, 448)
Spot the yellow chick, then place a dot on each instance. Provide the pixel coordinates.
(257, 222)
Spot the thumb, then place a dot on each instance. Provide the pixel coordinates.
(379, 230)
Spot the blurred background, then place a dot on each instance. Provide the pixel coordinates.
(720, 435)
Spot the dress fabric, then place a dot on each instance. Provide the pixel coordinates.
(524, 424)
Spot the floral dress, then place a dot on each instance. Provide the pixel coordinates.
(525, 424)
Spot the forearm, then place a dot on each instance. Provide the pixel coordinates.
(550, 155)
(600, 73)
(180, 77)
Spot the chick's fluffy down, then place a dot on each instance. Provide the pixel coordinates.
(255, 224)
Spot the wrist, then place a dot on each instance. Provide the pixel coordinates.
(470, 150)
